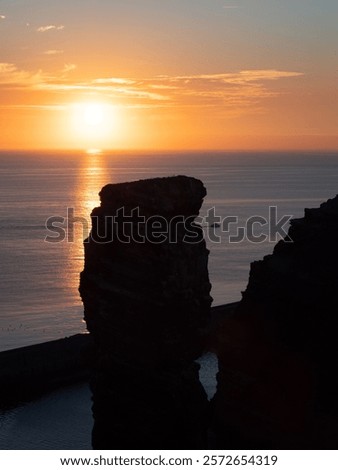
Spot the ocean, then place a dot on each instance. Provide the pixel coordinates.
(39, 299)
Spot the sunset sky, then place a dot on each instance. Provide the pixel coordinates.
(169, 74)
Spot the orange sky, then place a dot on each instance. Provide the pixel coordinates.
(188, 74)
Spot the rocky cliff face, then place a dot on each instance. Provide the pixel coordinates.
(278, 353)
(145, 290)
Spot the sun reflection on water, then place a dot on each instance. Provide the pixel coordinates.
(92, 176)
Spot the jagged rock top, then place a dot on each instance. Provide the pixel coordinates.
(328, 209)
(318, 223)
(169, 196)
(304, 265)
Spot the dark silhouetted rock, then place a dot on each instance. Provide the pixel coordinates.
(278, 353)
(145, 290)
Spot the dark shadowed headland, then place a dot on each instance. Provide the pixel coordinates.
(147, 308)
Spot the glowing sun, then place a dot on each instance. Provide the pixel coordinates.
(93, 114)
(94, 124)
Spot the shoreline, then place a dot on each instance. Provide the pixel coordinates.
(29, 372)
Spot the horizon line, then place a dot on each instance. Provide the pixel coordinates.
(168, 151)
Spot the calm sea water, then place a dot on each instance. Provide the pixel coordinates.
(39, 300)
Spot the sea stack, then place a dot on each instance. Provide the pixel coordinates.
(278, 353)
(146, 295)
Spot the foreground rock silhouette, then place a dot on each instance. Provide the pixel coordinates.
(278, 352)
(145, 289)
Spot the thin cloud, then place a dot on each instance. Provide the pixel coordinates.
(139, 93)
(50, 27)
(2, 17)
(114, 80)
(109, 91)
(12, 77)
(160, 86)
(233, 93)
(5, 67)
(53, 52)
(68, 68)
(256, 75)
(241, 77)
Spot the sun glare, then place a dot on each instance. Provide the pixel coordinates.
(93, 151)
(94, 124)
(93, 114)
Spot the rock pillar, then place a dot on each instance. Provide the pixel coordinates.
(145, 289)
